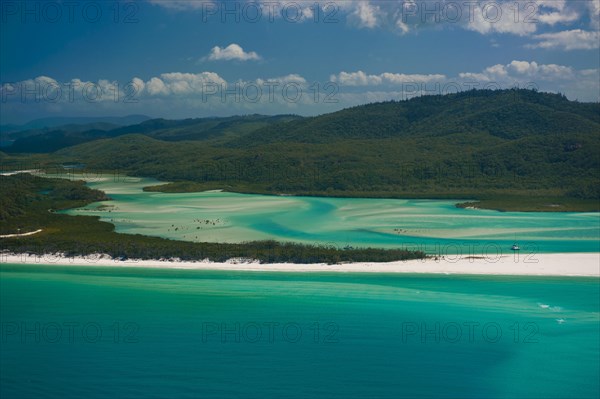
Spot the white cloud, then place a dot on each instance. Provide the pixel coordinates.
(45, 80)
(282, 80)
(357, 87)
(575, 39)
(400, 78)
(495, 17)
(516, 17)
(506, 75)
(544, 71)
(402, 26)
(182, 83)
(49, 90)
(180, 95)
(193, 81)
(556, 17)
(155, 86)
(138, 85)
(356, 79)
(520, 71)
(360, 78)
(365, 15)
(231, 52)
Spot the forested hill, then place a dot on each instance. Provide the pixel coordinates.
(50, 140)
(508, 114)
(518, 144)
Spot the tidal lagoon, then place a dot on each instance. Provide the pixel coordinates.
(435, 226)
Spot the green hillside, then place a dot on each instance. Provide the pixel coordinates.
(513, 149)
(507, 114)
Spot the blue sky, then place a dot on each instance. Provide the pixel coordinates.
(177, 59)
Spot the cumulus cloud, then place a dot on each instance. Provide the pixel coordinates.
(583, 84)
(545, 71)
(171, 84)
(138, 85)
(156, 86)
(576, 84)
(185, 94)
(282, 80)
(231, 52)
(400, 78)
(103, 90)
(576, 39)
(360, 78)
(186, 83)
(520, 71)
(45, 80)
(51, 91)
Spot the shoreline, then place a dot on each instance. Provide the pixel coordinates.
(557, 264)
(21, 234)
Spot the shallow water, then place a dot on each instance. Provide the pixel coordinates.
(432, 225)
(73, 332)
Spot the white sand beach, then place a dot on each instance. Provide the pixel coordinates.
(21, 234)
(559, 264)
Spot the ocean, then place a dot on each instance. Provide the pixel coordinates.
(98, 332)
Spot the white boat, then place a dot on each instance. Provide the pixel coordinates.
(515, 247)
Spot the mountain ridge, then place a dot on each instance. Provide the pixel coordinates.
(51, 122)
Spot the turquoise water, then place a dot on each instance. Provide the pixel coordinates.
(199, 334)
(435, 226)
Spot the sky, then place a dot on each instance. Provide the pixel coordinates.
(181, 59)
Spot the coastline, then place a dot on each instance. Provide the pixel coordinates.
(21, 234)
(556, 264)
